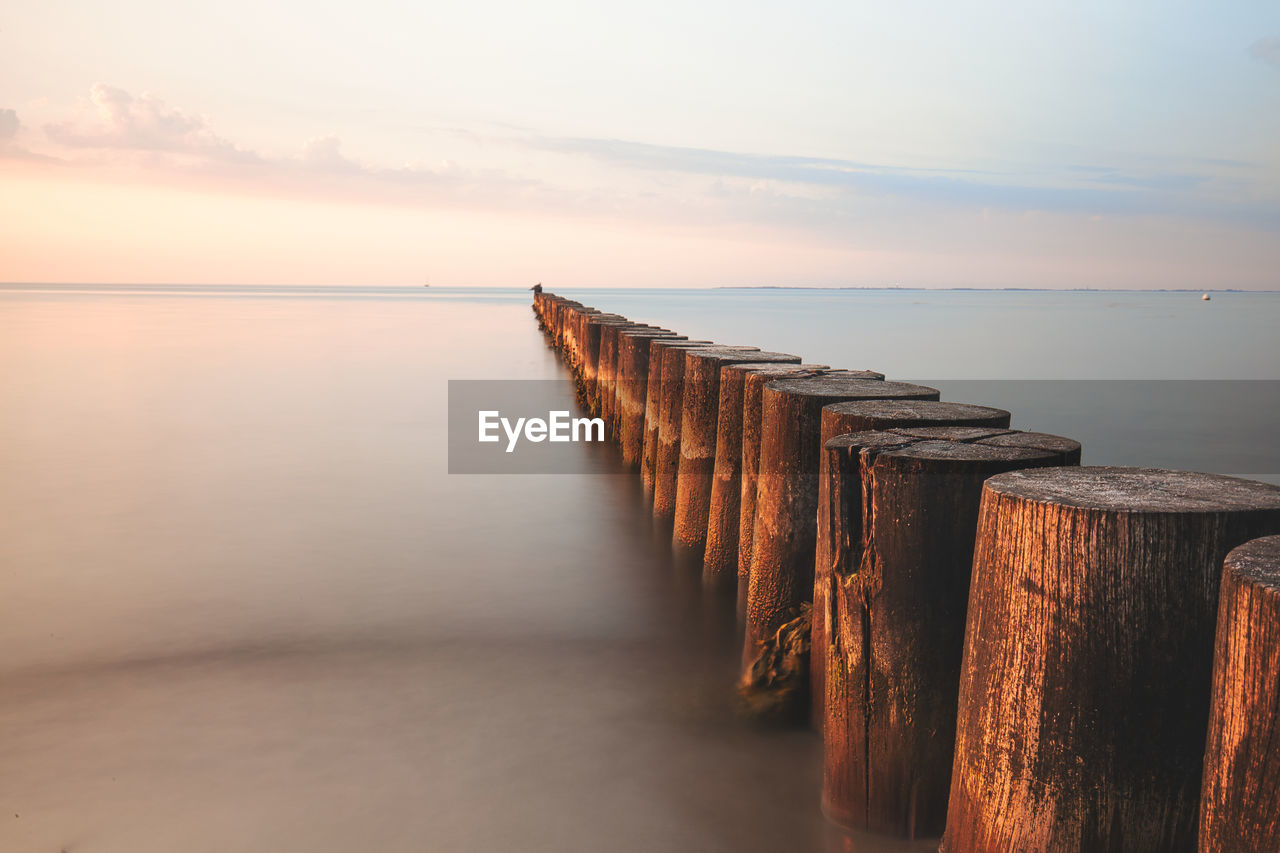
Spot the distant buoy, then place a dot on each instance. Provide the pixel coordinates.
(1205, 297)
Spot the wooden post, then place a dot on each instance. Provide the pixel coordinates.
(698, 419)
(752, 394)
(577, 325)
(614, 422)
(864, 416)
(787, 494)
(720, 561)
(590, 371)
(653, 405)
(1084, 690)
(606, 370)
(666, 455)
(905, 511)
(1240, 794)
(630, 387)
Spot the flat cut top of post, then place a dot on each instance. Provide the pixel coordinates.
(831, 387)
(959, 444)
(606, 319)
(772, 367)
(1041, 440)
(915, 410)
(1257, 562)
(853, 374)
(965, 451)
(732, 354)
(1137, 490)
(953, 433)
(650, 333)
(684, 342)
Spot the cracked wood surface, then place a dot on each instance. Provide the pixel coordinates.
(1084, 692)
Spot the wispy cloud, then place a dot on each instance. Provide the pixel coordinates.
(113, 128)
(8, 125)
(113, 118)
(1094, 190)
(1268, 50)
(615, 178)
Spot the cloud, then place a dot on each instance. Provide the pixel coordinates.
(8, 125)
(113, 118)
(639, 182)
(1268, 50)
(1087, 190)
(113, 129)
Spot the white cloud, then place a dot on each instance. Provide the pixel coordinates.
(113, 118)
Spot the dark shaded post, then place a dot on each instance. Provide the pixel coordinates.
(752, 393)
(698, 419)
(666, 448)
(720, 560)
(653, 405)
(863, 416)
(893, 605)
(1240, 795)
(630, 386)
(1084, 691)
(787, 494)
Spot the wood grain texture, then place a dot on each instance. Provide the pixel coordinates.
(905, 509)
(666, 458)
(785, 526)
(1240, 794)
(629, 388)
(1084, 693)
(752, 394)
(653, 406)
(720, 560)
(698, 420)
(863, 416)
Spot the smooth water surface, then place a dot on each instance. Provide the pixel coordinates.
(244, 607)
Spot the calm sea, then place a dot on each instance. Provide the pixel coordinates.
(244, 607)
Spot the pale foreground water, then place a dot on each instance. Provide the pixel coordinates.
(244, 607)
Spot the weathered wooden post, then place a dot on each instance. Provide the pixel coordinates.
(577, 324)
(547, 318)
(752, 394)
(720, 561)
(787, 494)
(653, 405)
(630, 387)
(606, 369)
(666, 455)
(614, 422)
(698, 419)
(1240, 794)
(1084, 690)
(865, 416)
(591, 357)
(893, 607)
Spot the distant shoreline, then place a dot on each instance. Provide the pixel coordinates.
(417, 288)
(1000, 289)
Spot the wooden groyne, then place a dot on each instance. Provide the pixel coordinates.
(1001, 649)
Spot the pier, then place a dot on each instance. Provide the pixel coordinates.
(1002, 649)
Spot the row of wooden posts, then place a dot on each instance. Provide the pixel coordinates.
(998, 646)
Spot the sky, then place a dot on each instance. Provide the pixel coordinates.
(965, 144)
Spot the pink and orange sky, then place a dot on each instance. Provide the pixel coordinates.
(818, 144)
